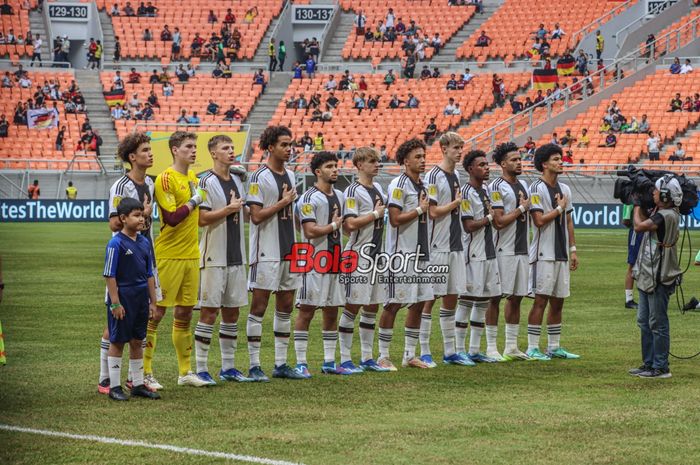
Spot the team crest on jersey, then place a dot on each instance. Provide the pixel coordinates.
(535, 199)
(397, 194)
(307, 209)
(116, 201)
(350, 203)
(496, 196)
(254, 189)
(466, 205)
(432, 190)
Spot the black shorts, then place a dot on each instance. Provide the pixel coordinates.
(133, 326)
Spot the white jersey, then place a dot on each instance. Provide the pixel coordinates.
(272, 239)
(320, 208)
(478, 245)
(222, 243)
(404, 194)
(513, 239)
(125, 187)
(446, 231)
(550, 242)
(361, 200)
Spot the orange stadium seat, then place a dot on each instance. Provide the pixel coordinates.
(670, 44)
(19, 24)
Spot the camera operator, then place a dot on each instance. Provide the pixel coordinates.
(657, 274)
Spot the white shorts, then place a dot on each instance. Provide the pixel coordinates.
(321, 290)
(359, 289)
(223, 286)
(550, 278)
(406, 288)
(483, 279)
(273, 276)
(452, 282)
(515, 273)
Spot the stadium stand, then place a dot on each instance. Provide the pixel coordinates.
(16, 25)
(39, 145)
(670, 44)
(512, 27)
(430, 17)
(191, 21)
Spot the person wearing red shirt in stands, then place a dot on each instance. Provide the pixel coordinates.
(230, 17)
(33, 191)
(134, 76)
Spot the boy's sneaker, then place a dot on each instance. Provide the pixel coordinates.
(303, 368)
(234, 375)
(481, 358)
(655, 373)
(428, 360)
(257, 375)
(142, 391)
(386, 364)
(103, 386)
(414, 362)
(371, 365)
(286, 372)
(561, 353)
(535, 354)
(330, 368)
(351, 367)
(514, 355)
(637, 371)
(118, 394)
(458, 359)
(205, 376)
(152, 383)
(191, 379)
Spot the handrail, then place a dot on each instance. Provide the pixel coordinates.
(46, 64)
(633, 57)
(598, 21)
(644, 16)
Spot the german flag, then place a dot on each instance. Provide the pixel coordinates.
(544, 79)
(566, 65)
(115, 97)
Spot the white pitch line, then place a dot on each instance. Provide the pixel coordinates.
(166, 447)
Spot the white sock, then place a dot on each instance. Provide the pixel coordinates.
(202, 341)
(464, 307)
(385, 336)
(476, 326)
(426, 324)
(512, 336)
(629, 295)
(254, 332)
(136, 370)
(411, 336)
(367, 322)
(301, 343)
(330, 340)
(553, 334)
(104, 366)
(533, 336)
(282, 326)
(115, 371)
(228, 339)
(346, 326)
(447, 326)
(491, 338)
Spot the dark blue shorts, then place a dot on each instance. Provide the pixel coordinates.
(634, 241)
(133, 325)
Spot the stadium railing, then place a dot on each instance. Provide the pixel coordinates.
(610, 74)
(655, 10)
(596, 23)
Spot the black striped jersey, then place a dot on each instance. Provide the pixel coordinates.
(404, 194)
(125, 187)
(479, 244)
(271, 240)
(361, 200)
(513, 239)
(320, 208)
(446, 231)
(221, 243)
(550, 242)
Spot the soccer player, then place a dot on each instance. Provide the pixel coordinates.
(132, 297)
(134, 149)
(408, 234)
(177, 253)
(364, 221)
(483, 279)
(271, 196)
(509, 203)
(222, 261)
(320, 213)
(552, 252)
(446, 249)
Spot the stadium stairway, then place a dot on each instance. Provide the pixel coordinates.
(265, 106)
(260, 59)
(449, 52)
(691, 133)
(36, 24)
(98, 112)
(108, 40)
(334, 52)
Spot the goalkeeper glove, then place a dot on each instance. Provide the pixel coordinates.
(199, 197)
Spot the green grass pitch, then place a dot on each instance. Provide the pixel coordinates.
(563, 412)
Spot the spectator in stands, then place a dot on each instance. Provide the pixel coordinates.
(331, 84)
(644, 125)
(306, 142)
(168, 89)
(25, 82)
(360, 23)
(7, 81)
(20, 116)
(134, 76)
(450, 107)
(583, 140)
(250, 15)
(616, 124)
(230, 18)
(182, 119)
(436, 42)
(430, 131)
(409, 65)
(4, 126)
(451, 83)
(147, 35)
(610, 140)
(141, 10)
(232, 114)
(281, 55)
(557, 32)
(182, 74)
(555, 139)
(483, 40)
(10, 38)
(302, 103)
(389, 78)
(134, 102)
(676, 103)
(129, 10)
(33, 191)
(373, 102)
(497, 89)
(153, 100)
(314, 48)
(259, 79)
(6, 8)
(688, 104)
(316, 115)
(649, 45)
(193, 120)
(197, 43)
(319, 143)
(686, 67)
(114, 11)
(151, 10)
(678, 153)
(599, 44)
(117, 112)
(395, 102)
(154, 78)
(177, 44)
(332, 101)
(653, 146)
(515, 105)
(582, 62)
(65, 48)
(59, 138)
(436, 73)
(568, 158)
(165, 34)
(530, 147)
(412, 102)
(310, 67)
(87, 142)
(676, 66)
(541, 32)
(425, 73)
(567, 140)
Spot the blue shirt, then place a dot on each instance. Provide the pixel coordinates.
(129, 261)
(310, 65)
(675, 68)
(297, 72)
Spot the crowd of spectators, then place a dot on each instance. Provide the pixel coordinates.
(678, 68)
(688, 104)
